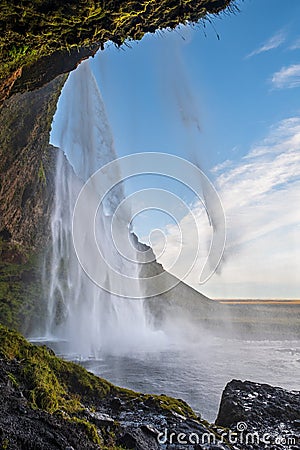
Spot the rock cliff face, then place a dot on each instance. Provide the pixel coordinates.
(27, 163)
(181, 302)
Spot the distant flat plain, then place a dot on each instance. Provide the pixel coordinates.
(257, 301)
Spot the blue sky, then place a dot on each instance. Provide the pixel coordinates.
(231, 105)
(232, 95)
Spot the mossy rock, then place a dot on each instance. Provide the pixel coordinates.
(54, 385)
(21, 292)
(34, 30)
(65, 395)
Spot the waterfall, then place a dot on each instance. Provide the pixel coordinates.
(88, 318)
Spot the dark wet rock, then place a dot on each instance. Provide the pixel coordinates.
(116, 404)
(101, 419)
(268, 415)
(36, 430)
(139, 440)
(148, 429)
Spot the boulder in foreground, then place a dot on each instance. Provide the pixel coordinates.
(261, 416)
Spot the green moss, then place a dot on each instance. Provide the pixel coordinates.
(113, 447)
(52, 384)
(163, 402)
(90, 430)
(42, 175)
(20, 290)
(171, 404)
(68, 390)
(13, 379)
(57, 385)
(5, 444)
(49, 383)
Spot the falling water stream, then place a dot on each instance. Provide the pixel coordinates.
(88, 319)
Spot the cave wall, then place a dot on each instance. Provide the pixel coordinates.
(26, 166)
(27, 163)
(40, 42)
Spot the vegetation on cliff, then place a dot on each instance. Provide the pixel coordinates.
(41, 392)
(32, 30)
(20, 292)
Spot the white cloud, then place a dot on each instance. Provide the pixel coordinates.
(219, 167)
(260, 197)
(295, 45)
(287, 77)
(272, 43)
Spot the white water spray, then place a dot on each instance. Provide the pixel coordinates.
(79, 312)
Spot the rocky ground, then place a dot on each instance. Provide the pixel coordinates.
(47, 403)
